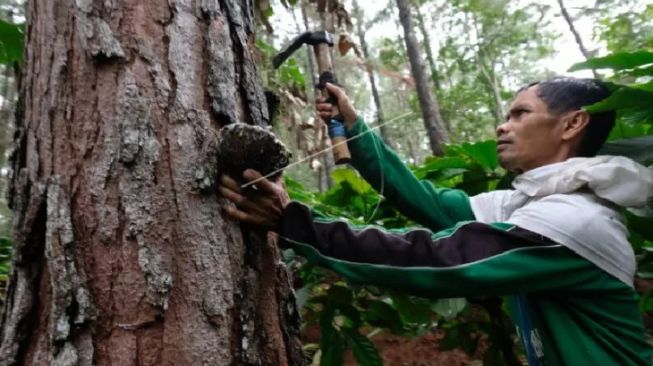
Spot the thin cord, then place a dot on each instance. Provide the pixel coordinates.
(378, 204)
(243, 186)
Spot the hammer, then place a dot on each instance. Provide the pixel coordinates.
(321, 42)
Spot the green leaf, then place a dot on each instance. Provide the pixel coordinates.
(351, 313)
(340, 295)
(363, 349)
(642, 71)
(616, 61)
(448, 308)
(11, 42)
(381, 314)
(624, 98)
(639, 149)
(358, 184)
(331, 343)
(436, 167)
(643, 226)
(484, 153)
(412, 309)
(475, 181)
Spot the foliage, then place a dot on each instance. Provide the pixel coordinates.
(490, 48)
(624, 25)
(5, 265)
(345, 312)
(11, 42)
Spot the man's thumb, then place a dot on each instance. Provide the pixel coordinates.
(333, 89)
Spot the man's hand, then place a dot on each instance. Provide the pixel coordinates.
(261, 204)
(327, 110)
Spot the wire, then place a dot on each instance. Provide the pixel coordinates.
(382, 186)
(401, 116)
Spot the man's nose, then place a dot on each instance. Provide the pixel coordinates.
(502, 128)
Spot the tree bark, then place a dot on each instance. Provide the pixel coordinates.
(383, 130)
(577, 37)
(435, 76)
(121, 254)
(421, 24)
(430, 109)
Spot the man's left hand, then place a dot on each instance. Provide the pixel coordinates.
(261, 204)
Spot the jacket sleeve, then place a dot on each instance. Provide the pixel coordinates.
(469, 259)
(435, 208)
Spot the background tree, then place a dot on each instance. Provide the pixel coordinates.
(121, 255)
(431, 116)
(361, 26)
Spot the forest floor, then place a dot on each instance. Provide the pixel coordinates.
(403, 351)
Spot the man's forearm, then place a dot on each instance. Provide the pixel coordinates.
(434, 208)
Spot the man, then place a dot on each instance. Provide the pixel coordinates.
(556, 244)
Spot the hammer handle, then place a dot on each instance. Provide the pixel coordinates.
(341, 154)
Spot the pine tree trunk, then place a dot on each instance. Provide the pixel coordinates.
(121, 253)
(383, 130)
(430, 109)
(421, 24)
(435, 77)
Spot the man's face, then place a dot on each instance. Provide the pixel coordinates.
(531, 136)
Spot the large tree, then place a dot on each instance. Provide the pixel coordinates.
(121, 253)
(433, 123)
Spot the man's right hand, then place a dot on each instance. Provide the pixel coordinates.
(327, 110)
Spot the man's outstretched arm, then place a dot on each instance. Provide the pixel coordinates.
(469, 259)
(434, 208)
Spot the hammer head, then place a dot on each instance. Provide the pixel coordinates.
(308, 38)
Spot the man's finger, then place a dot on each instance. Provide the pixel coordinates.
(230, 183)
(324, 107)
(239, 215)
(333, 89)
(232, 196)
(262, 183)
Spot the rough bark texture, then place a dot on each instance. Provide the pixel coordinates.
(430, 109)
(121, 255)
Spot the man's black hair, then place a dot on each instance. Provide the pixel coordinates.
(567, 94)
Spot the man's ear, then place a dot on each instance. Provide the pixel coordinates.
(574, 124)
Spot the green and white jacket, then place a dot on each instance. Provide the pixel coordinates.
(573, 302)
